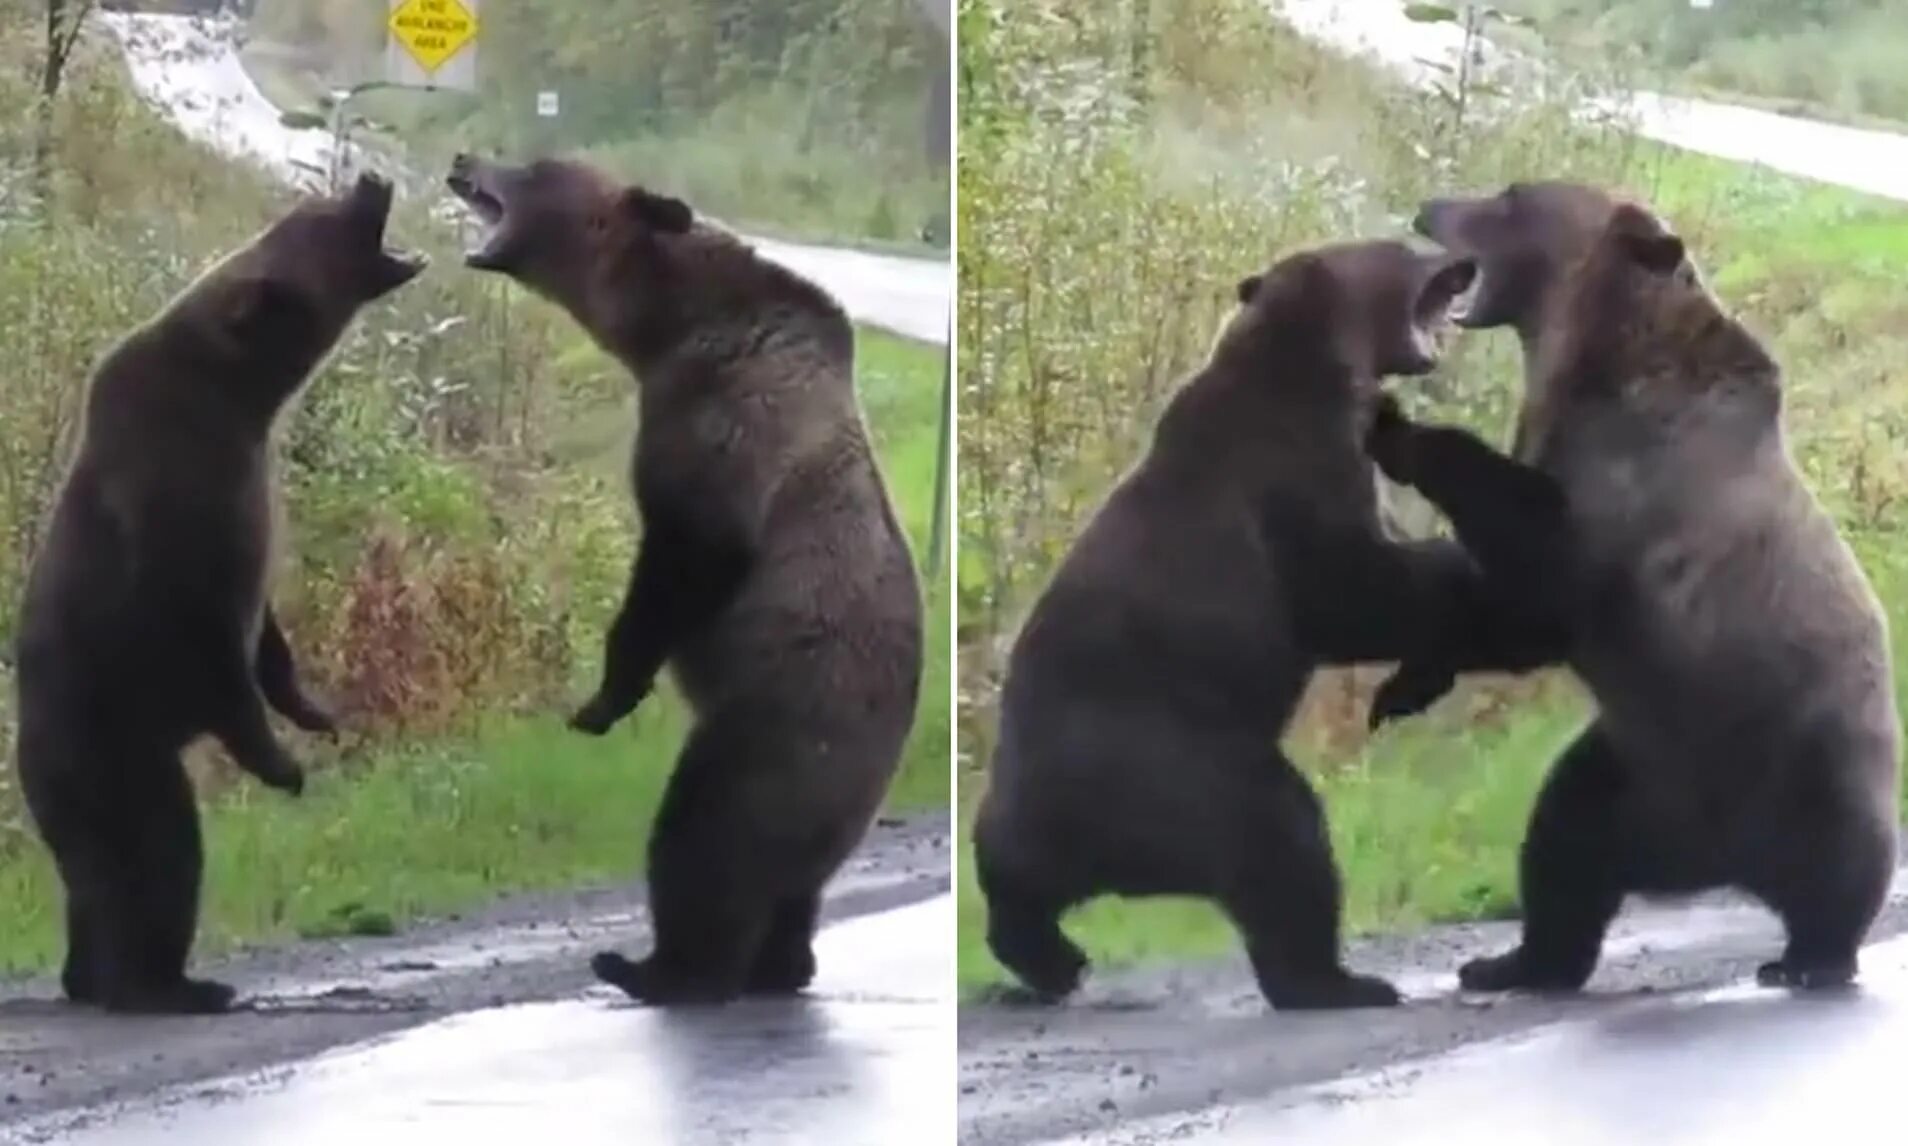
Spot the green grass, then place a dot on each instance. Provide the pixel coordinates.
(523, 804)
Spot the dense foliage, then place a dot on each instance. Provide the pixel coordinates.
(825, 116)
(1835, 57)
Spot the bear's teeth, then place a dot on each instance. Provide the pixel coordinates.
(1461, 306)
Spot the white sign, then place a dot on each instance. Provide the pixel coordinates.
(547, 104)
(1703, 5)
(432, 43)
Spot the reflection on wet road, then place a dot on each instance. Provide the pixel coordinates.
(1732, 1067)
(867, 1058)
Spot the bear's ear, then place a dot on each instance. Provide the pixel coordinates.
(1248, 287)
(1645, 240)
(658, 212)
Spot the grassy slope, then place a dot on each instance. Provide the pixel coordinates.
(1426, 819)
(718, 174)
(1840, 67)
(523, 804)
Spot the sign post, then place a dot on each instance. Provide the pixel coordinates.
(937, 536)
(432, 44)
(940, 13)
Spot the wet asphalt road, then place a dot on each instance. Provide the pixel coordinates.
(490, 1028)
(1731, 1067)
(864, 1060)
(1874, 162)
(1668, 1046)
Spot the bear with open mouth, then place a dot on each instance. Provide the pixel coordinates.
(147, 620)
(772, 576)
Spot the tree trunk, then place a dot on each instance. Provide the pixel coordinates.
(51, 65)
(64, 18)
(1141, 49)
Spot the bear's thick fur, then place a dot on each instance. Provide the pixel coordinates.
(147, 621)
(1146, 695)
(1746, 732)
(772, 575)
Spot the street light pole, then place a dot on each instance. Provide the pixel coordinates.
(940, 13)
(340, 99)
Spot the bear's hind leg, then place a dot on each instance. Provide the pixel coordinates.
(1283, 894)
(1572, 875)
(1827, 904)
(711, 871)
(1019, 881)
(79, 980)
(1025, 936)
(785, 963)
(148, 926)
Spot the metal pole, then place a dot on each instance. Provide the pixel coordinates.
(942, 464)
(338, 123)
(940, 13)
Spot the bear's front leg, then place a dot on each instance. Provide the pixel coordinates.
(681, 582)
(240, 724)
(278, 680)
(1513, 519)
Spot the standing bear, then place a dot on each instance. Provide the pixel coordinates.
(772, 575)
(1746, 733)
(1146, 695)
(147, 621)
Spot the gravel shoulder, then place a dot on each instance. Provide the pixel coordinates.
(304, 998)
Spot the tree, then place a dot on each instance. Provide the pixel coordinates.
(64, 20)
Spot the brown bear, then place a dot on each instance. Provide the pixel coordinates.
(1746, 734)
(147, 621)
(772, 575)
(1146, 694)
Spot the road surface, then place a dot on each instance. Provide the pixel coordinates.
(1670, 1046)
(1875, 162)
(189, 68)
(1731, 1067)
(491, 1029)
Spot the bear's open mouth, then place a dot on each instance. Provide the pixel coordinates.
(471, 181)
(371, 200)
(1438, 315)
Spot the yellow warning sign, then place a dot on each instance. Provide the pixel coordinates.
(432, 31)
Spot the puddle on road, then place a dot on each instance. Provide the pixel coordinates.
(866, 1059)
(1732, 1067)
